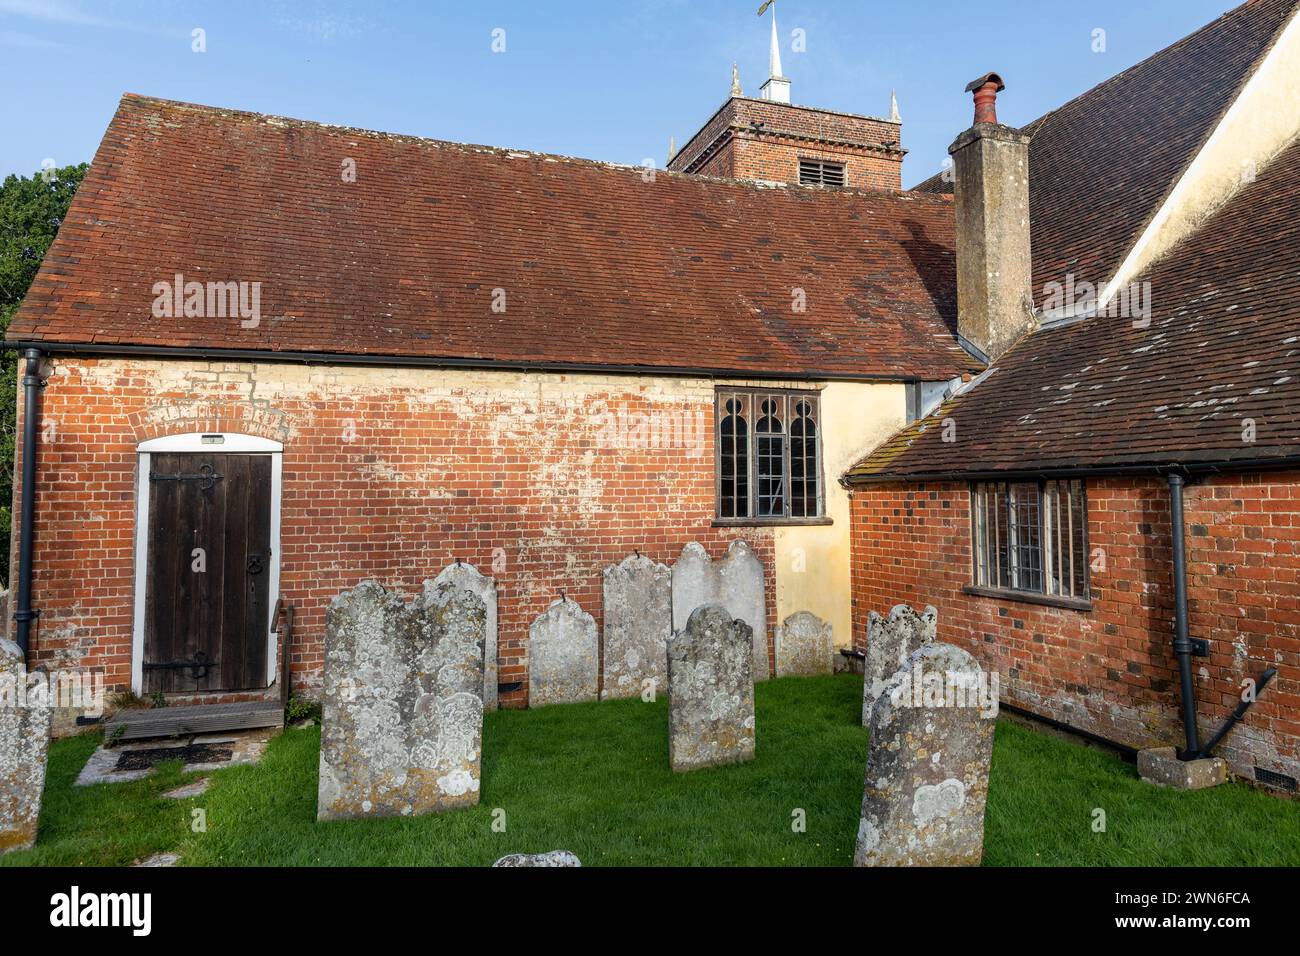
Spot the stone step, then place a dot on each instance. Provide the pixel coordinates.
(140, 724)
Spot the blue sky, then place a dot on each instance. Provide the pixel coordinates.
(608, 80)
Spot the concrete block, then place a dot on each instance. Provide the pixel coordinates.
(1161, 766)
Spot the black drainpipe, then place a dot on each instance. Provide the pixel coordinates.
(23, 613)
(1182, 643)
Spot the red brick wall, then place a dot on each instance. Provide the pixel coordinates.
(721, 162)
(730, 146)
(1111, 670)
(776, 159)
(388, 474)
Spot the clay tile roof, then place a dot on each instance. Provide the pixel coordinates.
(599, 267)
(1102, 164)
(1214, 378)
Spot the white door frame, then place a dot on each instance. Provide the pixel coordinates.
(221, 443)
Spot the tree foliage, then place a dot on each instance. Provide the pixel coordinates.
(31, 211)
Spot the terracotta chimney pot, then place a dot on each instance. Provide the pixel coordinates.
(986, 90)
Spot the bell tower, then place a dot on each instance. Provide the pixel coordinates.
(770, 139)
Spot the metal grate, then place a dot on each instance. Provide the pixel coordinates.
(818, 172)
(191, 753)
(1275, 779)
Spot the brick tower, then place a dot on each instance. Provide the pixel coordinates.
(769, 138)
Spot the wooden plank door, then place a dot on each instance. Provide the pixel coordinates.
(208, 572)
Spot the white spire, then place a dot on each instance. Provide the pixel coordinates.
(893, 107)
(735, 80)
(777, 87)
(774, 54)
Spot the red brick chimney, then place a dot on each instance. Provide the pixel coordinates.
(995, 305)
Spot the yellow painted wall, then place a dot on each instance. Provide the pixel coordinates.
(812, 563)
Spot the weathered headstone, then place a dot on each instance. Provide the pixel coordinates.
(736, 583)
(465, 575)
(928, 763)
(563, 656)
(805, 645)
(890, 642)
(638, 624)
(710, 691)
(402, 709)
(554, 858)
(24, 743)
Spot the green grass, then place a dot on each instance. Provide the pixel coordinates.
(594, 779)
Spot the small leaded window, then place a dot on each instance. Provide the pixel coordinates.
(1031, 536)
(769, 455)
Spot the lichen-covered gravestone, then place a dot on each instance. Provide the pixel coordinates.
(638, 623)
(736, 583)
(551, 859)
(710, 691)
(402, 708)
(890, 642)
(563, 656)
(24, 743)
(928, 763)
(464, 575)
(805, 645)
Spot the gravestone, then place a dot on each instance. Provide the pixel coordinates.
(24, 743)
(928, 763)
(464, 575)
(638, 621)
(563, 656)
(553, 858)
(890, 642)
(402, 708)
(736, 583)
(804, 645)
(710, 691)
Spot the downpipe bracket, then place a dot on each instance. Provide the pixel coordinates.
(1235, 717)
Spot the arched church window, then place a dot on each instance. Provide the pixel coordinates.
(805, 469)
(768, 456)
(733, 460)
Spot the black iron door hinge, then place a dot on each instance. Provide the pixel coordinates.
(206, 476)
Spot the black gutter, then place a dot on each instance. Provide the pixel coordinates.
(422, 361)
(1182, 643)
(1191, 467)
(23, 613)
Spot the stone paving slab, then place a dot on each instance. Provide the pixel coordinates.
(245, 748)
